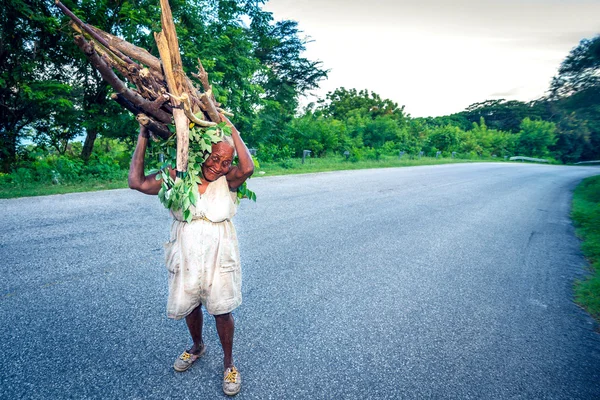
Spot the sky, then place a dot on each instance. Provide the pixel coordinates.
(437, 57)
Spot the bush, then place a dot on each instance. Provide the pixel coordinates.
(287, 164)
(356, 154)
(270, 152)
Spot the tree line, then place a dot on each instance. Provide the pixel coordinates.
(50, 95)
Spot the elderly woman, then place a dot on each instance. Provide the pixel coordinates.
(202, 256)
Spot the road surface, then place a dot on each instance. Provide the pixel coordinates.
(449, 282)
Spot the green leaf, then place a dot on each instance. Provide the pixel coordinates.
(192, 195)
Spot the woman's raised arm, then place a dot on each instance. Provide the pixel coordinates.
(238, 174)
(136, 179)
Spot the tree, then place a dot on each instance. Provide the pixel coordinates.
(579, 70)
(316, 133)
(444, 139)
(503, 115)
(382, 129)
(343, 103)
(284, 75)
(536, 138)
(572, 139)
(33, 68)
(575, 94)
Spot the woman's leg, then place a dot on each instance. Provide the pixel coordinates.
(194, 324)
(225, 328)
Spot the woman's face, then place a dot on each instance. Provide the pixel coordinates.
(219, 161)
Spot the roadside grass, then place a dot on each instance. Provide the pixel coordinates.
(586, 216)
(40, 189)
(340, 163)
(285, 167)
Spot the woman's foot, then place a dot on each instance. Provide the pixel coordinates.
(187, 358)
(232, 381)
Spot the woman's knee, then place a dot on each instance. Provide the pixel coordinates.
(223, 317)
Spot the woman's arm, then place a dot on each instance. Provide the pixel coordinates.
(137, 180)
(238, 174)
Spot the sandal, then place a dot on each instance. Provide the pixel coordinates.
(185, 360)
(232, 381)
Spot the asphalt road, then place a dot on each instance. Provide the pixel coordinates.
(442, 282)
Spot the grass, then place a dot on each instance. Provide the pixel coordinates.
(38, 189)
(586, 216)
(339, 163)
(287, 167)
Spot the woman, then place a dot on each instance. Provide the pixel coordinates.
(202, 256)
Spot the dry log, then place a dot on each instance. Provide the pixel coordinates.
(86, 28)
(130, 50)
(163, 94)
(113, 80)
(202, 76)
(211, 110)
(155, 127)
(168, 47)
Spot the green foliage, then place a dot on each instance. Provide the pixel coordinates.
(445, 139)
(318, 134)
(181, 193)
(52, 167)
(33, 83)
(575, 96)
(579, 71)
(536, 138)
(341, 104)
(51, 94)
(271, 152)
(503, 115)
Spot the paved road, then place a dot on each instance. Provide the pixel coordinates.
(450, 281)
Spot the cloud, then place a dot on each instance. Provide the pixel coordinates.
(514, 92)
(439, 56)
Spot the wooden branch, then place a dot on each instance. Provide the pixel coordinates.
(157, 128)
(182, 126)
(137, 53)
(86, 28)
(187, 107)
(126, 104)
(211, 110)
(202, 76)
(224, 112)
(148, 84)
(113, 80)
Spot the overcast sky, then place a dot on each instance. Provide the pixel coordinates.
(437, 57)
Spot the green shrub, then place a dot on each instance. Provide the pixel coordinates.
(270, 152)
(287, 164)
(356, 154)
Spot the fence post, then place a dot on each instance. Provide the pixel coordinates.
(304, 154)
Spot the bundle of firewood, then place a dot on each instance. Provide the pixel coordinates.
(163, 94)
